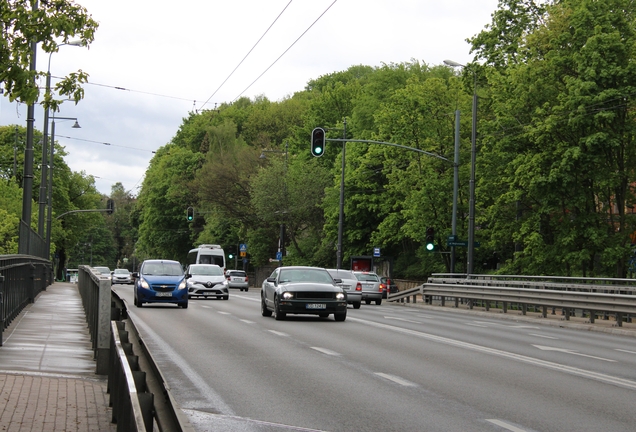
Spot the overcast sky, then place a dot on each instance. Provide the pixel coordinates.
(153, 62)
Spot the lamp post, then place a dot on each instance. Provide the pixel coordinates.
(281, 239)
(45, 129)
(50, 191)
(473, 153)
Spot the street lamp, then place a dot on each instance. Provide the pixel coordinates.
(44, 142)
(471, 205)
(50, 191)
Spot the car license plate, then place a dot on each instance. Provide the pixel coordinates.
(164, 294)
(316, 306)
(237, 279)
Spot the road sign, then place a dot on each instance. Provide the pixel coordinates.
(376, 252)
(452, 238)
(279, 255)
(243, 254)
(243, 247)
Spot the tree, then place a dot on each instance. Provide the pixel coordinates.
(560, 149)
(51, 24)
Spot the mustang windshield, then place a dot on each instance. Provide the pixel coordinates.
(305, 275)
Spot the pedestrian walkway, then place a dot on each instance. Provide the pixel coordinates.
(47, 371)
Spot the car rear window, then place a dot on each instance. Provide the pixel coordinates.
(237, 273)
(367, 277)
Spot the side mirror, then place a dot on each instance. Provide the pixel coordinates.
(188, 275)
(337, 280)
(135, 275)
(271, 280)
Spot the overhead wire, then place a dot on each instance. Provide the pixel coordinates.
(285, 52)
(246, 55)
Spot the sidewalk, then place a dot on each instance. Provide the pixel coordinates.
(47, 371)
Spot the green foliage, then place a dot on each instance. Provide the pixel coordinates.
(554, 171)
(47, 25)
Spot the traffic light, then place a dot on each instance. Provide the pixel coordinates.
(190, 214)
(318, 142)
(110, 206)
(430, 239)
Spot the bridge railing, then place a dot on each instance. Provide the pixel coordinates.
(133, 404)
(24, 277)
(96, 299)
(594, 295)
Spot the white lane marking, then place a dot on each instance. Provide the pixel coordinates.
(278, 333)
(476, 325)
(567, 351)
(255, 299)
(505, 354)
(206, 307)
(505, 425)
(625, 351)
(224, 313)
(402, 319)
(396, 379)
(326, 351)
(542, 336)
(247, 321)
(238, 423)
(507, 325)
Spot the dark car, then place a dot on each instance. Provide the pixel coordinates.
(160, 281)
(303, 290)
(388, 286)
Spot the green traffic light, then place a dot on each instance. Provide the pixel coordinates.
(430, 246)
(318, 150)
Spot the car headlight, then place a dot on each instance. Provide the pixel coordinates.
(144, 284)
(288, 295)
(182, 285)
(340, 296)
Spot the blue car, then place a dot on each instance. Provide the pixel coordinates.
(160, 281)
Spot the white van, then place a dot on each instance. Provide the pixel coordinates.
(207, 254)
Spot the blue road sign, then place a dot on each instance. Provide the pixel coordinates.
(243, 247)
(376, 252)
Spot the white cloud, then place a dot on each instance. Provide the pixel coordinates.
(186, 49)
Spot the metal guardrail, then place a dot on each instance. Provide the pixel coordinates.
(133, 405)
(96, 299)
(610, 296)
(25, 276)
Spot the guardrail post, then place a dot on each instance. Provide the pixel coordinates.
(31, 285)
(505, 307)
(619, 319)
(524, 309)
(592, 316)
(567, 313)
(544, 311)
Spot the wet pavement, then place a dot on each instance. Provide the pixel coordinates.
(47, 370)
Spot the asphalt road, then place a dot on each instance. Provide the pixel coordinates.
(386, 368)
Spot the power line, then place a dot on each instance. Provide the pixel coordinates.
(285, 52)
(104, 143)
(133, 91)
(246, 55)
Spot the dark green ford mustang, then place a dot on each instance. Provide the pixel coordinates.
(303, 290)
